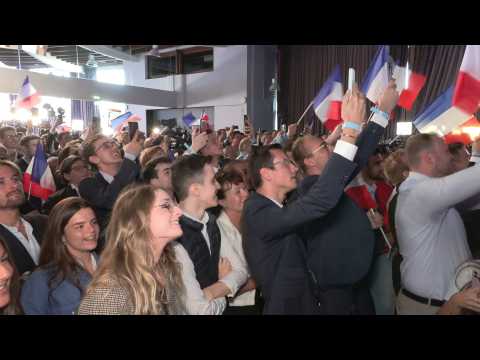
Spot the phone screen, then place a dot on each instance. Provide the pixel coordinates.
(132, 129)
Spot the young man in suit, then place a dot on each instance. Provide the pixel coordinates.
(114, 173)
(21, 234)
(208, 277)
(341, 245)
(28, 144)
(274, 250)
(73, 170)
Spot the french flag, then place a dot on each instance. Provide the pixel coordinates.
(409, 84)
(189, 119)
(466, 95)
(38, 178)
(441, 117)
(376, 80)
(465, 133)
(28, 96)
(328, 102)
(123, 119)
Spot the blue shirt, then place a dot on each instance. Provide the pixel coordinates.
(64, 299)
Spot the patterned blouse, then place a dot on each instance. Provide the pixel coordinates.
(113, 299)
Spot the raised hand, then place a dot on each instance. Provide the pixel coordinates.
(199, 139)
(389, 98)
(354, 106)
(135, 146)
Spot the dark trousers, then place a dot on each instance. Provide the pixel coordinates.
(350, 300)
(256, 309)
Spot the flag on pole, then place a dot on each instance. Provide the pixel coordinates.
(38, 179)
(328, 102)
(466, 95)
(440, 117)
(376, 80)
(409, 84)
(189, 119)
(465, 133)
(28, 95)
(123, 119)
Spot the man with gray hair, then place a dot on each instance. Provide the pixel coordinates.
(430, 232)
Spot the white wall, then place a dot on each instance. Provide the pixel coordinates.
(225, 88)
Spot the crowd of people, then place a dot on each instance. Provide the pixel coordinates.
(243, 223)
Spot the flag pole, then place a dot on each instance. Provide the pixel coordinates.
(304, 113)
(372, 212)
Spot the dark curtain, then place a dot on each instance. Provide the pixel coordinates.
(304, 69)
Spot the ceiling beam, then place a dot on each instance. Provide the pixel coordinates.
(50, 85)
(111, 52)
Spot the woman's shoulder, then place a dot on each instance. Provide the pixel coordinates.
(107, 298)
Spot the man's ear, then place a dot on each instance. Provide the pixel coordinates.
(67, 176)
(266, 174)
(94, 159)
(309, 161)
(194, 189)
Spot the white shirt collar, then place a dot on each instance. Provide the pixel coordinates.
(275, 202)
(75, 187)
(108, 178)
(203, 220)
(26, 224)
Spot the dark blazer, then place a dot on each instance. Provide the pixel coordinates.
(341, 245)
(55, 198)
(21, 258)
(273, 248)
(102, 195)
(22, 164)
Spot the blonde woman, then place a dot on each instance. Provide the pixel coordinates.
(138, 273)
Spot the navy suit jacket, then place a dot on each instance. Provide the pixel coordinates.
(341, 245)
(275, 252)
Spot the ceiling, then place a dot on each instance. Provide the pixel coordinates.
(74, 54)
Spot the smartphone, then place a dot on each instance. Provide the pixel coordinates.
(351, 78)
(132, 129)
(203, 126)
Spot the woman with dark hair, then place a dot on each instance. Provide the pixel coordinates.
(9, 283)
(232, 195)
(72, 170)
(67, 261)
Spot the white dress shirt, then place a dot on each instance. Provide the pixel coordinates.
(232, 248)
(195, 300)
(30, 244)
(430, 232)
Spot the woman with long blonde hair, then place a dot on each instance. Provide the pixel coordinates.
(138, 273)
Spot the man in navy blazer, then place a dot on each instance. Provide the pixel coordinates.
(114, 173)
(274, 250)
(340, 246)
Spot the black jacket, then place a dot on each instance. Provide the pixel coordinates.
(55, 198)
(273, 248)
(21, 258)
(102, 195)
(204, 261)
(341, 245)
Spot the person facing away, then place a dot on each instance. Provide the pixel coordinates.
(67, 260)
(208, 275)
(138, 272)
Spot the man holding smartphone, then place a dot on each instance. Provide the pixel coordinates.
(113, 174)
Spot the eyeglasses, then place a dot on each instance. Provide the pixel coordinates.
(285, 162)
(324, 144)
(107, 145)
(78, 168)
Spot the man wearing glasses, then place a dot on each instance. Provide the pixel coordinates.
(114, 173)
(274, 249)
(8, 138)
(340, 246)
